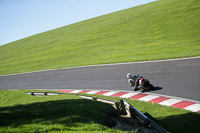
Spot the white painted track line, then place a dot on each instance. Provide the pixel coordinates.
(105, 65)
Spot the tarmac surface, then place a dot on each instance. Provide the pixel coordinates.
(180, 78)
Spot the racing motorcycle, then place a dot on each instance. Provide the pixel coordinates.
(139, 83)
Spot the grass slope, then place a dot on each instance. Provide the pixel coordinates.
(158, 30)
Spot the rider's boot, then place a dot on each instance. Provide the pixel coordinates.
(135, 88)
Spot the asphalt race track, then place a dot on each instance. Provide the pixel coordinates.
(180, 78)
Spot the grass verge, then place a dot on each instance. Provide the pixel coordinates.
(20, 112)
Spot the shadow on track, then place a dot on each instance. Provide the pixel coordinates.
(157, 88)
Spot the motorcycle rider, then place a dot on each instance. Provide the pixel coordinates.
(138, 82)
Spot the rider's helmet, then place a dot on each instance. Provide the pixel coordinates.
(129, 76)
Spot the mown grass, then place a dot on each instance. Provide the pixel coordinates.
(23, 113)
(20, 112)
(159, 30)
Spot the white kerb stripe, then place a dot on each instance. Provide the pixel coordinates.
(194, 107)
(110, 93)
(170, 102)
(128, 95)
(76, 91)
(148, 98)
(92, 92)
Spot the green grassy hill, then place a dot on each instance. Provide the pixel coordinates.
(158, 30)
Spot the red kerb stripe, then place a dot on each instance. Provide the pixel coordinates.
(182, 104)
(101, 92)
(138, 96)
(65, 91)
(159, 99)
(83, 91)
(119, 94)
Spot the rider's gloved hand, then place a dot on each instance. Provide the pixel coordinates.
(139, 87)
